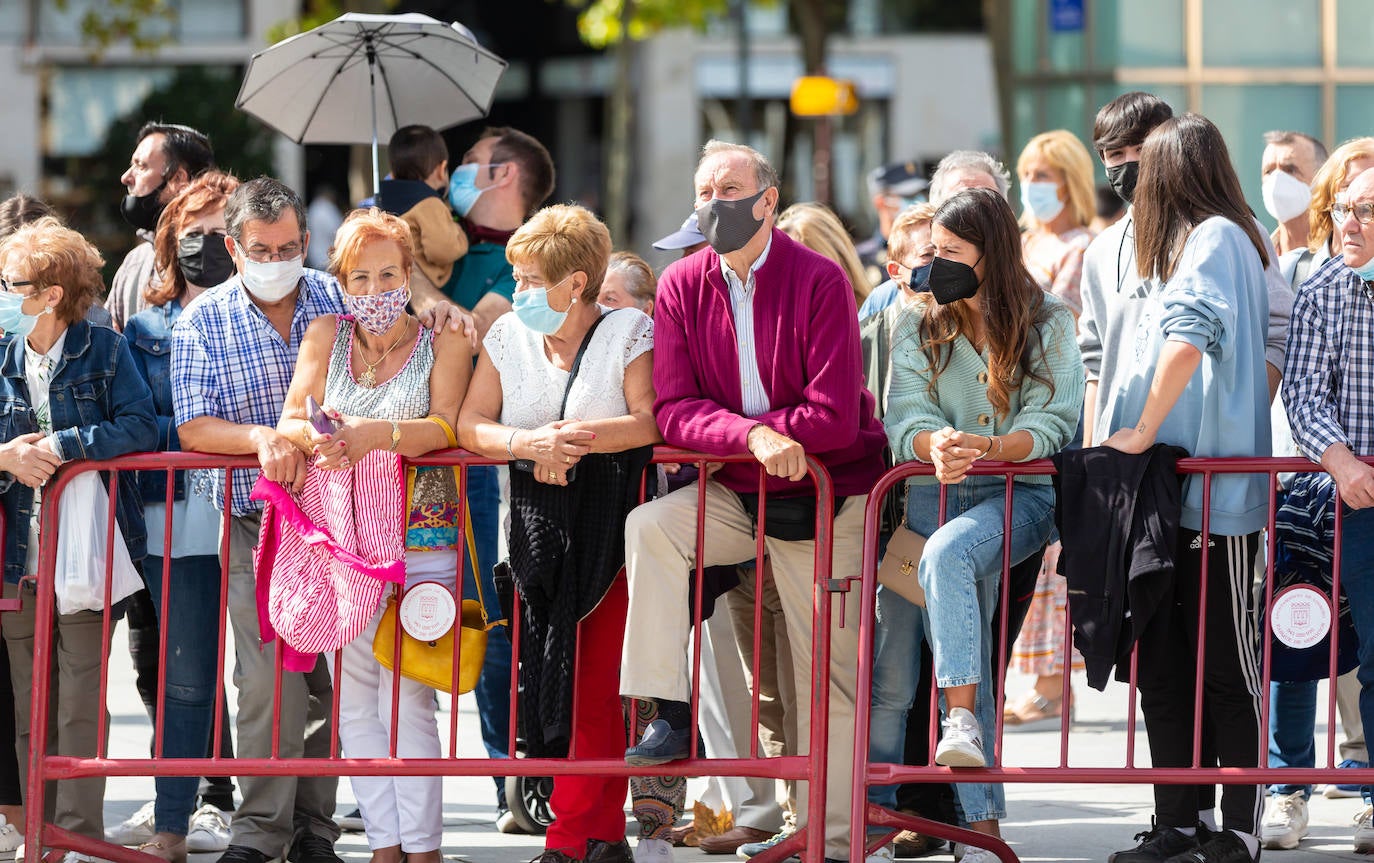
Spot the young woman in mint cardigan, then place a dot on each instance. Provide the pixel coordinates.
(984, 366)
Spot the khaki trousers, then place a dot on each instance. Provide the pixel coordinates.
(660, 539)
(75, 712)
(275, 809)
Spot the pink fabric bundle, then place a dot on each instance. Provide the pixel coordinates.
(324, 557)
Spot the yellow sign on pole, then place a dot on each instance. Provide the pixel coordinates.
(818, 96)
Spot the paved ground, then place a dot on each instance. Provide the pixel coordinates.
(1047, 823)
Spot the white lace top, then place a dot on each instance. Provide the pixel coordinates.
(532, 386)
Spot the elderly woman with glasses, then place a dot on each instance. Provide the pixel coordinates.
(69, 390)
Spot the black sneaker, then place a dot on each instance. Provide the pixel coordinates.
(1222, 847)
(553, 855)
(601, 851)
(243, 854)
(1156, 844)
(309, 848)
(352, 822)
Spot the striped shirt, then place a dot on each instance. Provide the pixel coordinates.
(229, 362)
(742, 305)
(1329, 373)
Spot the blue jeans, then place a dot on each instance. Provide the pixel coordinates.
(493, 687)
(1357, 549)
(191, 676)
(961, 571)
(1292, 723)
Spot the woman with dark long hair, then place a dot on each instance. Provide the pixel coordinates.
(984, 366)
(1194, 377)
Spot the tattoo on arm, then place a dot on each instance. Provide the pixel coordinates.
(1140, 429)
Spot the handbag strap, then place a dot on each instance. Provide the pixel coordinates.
(577, 361)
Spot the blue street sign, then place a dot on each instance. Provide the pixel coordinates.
(1066, 16)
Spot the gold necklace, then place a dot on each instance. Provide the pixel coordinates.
(368, 379)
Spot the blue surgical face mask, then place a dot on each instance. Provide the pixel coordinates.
(532, 309)
(12, 318)
(1366, 271)
(462, 187)
(1041, 200)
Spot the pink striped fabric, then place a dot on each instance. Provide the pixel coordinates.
(324, 558)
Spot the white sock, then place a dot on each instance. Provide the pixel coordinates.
(1251, 842)
(1208, 817)
(1187, 831)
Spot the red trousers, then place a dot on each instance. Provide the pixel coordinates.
(593, 807)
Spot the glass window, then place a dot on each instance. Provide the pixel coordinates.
(1065, 50)
(12, 20)
(1354, 108)
(1103, 21)
(1066, 107)
(1150, 34)
(82, 102)
(1274, 33)
(1245, 113)
(210, 20)
(1025, 39)
(1025, 119)
(1354, 32)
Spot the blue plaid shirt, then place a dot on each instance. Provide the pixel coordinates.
(1329, 373)
(229, 362)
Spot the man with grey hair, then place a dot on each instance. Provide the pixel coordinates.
(967, 169)
(1289, 163)
(757, 351)
(233, 355)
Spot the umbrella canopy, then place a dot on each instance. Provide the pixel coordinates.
(361, 77)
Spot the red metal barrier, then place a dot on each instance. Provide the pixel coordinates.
(44, 767)
(865, 815)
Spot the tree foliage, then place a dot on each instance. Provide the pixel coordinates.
(599, 21)
(144, 24)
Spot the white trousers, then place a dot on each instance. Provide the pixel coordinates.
(397, 810)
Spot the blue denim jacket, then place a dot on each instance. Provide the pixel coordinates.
(101, 408)
(149, 334)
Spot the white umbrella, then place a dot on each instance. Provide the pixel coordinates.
(363, 76)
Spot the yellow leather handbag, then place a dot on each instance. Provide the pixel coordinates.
(431, 662)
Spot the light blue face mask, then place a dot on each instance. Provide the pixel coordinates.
(532, 309)
(1041, 200)
(12, 318)
(1365, 272)
(462, 187)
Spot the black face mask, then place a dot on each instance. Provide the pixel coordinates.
(204, 260)
(951, 281)
(729, 225)
(1123, 178)
(919, 278)
(142, 211)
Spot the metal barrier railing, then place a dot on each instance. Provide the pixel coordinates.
(43, 767)
(866, 815)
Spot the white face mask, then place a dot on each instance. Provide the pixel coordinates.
(1285, 196)
(272, 281)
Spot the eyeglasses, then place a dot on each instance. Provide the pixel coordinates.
(1363, 212)
(9, 287)
(288, 252)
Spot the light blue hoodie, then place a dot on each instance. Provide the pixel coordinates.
(1217, 302)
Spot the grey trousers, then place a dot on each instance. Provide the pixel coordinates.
(275, 809)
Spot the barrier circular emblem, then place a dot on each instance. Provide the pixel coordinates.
(427, 611)
(1301, 616)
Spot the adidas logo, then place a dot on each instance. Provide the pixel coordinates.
(1197, 543)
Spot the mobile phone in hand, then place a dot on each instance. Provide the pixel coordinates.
(319, 420)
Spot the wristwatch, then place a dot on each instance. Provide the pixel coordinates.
(395, 435)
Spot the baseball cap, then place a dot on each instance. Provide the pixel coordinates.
(898, 178)
(684, 237)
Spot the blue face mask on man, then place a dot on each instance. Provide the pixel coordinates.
(462, 187)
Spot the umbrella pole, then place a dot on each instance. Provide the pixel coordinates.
(372, 100)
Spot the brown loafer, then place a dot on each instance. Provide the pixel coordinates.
(729, 841)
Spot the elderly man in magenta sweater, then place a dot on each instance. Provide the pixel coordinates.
(756, 350)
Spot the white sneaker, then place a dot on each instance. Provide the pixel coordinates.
(133, 831)
(882, 855)
(1285, 822)
(208, 830)
(962, 743)
(10, 837)
(979, 855)
(1364, 831)
(653, 851)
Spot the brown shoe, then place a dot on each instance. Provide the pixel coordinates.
(909, 844)
(729, 841)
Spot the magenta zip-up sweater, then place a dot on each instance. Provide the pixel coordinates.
(807, 340)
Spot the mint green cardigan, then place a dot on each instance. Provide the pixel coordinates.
(960, 397)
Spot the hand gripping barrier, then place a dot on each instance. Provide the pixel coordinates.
(874, 826)
(43, 768)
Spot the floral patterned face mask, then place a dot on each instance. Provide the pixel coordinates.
(378, 313)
